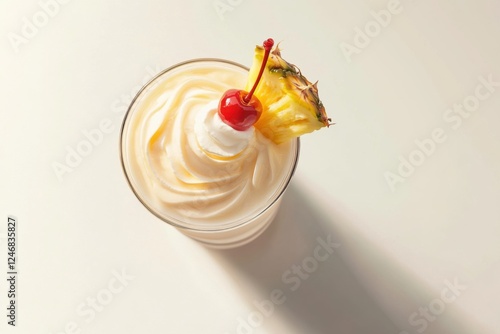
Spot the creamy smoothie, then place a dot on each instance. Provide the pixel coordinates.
(216, 184)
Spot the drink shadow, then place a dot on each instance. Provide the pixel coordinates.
(323, 292)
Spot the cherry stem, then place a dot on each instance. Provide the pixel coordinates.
(268, 44)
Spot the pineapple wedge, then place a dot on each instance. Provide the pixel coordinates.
(291, 105)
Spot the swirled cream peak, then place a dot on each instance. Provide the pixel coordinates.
(216, 137)
(187, 164)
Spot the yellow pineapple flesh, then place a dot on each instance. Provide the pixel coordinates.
(291, 105)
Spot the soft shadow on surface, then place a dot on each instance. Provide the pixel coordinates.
(330, 299)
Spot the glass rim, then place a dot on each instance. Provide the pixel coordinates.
(207, 227)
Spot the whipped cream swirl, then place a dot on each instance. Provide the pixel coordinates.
(216, 137)
(192, 166)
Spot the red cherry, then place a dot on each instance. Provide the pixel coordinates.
(240, 109)
(237, 113)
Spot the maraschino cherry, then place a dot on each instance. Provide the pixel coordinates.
(240, 109)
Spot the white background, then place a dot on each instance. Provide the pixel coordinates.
(398, 245)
